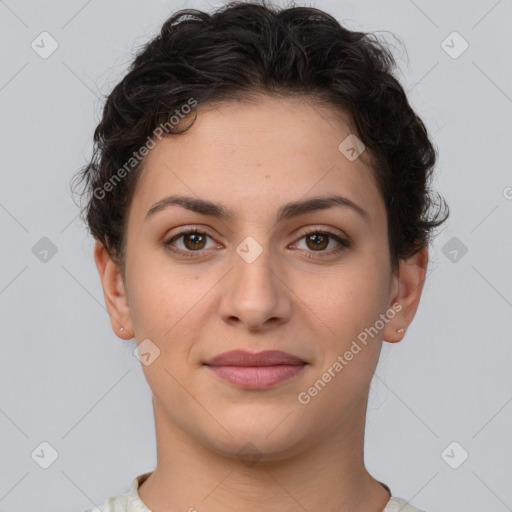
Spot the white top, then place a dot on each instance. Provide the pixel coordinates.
(130, 501)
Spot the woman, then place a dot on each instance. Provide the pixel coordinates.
(259, 195)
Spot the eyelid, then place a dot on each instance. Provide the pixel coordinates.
(343, 242)
(186, 231)
(324, 228)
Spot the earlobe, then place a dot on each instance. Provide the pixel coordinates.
(408, 286)
(114, 292)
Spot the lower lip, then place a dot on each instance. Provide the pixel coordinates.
(257, 377)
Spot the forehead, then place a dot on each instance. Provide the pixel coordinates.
(269, 149)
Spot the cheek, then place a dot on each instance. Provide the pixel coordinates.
(346, 299)
(353, 300)
(170, 308)
(150, 303)
(159, 294)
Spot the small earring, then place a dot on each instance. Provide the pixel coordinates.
(122, 329)
(400, 330)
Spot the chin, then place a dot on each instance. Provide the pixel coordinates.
(257, 439)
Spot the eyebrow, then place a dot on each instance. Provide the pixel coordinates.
(288, 211)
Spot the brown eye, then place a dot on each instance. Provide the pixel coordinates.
(322, 244)
(317, 241)
(194, 241)
(189, 242)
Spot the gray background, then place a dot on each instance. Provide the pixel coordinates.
(68, 380)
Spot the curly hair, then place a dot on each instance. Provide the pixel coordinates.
(247, 48)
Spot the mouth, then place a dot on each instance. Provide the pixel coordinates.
(257, 377)
(260, 370)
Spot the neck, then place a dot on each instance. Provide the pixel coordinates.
(329, 475)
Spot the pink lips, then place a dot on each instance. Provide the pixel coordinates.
(256, 371)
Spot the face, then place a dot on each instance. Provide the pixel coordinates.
(262, 276)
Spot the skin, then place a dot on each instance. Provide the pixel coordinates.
(253, 157)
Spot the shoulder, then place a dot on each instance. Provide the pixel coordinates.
(126, 502)
(123, 503)
(113, 504)
(400, 505)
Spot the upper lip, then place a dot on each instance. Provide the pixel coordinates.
(244, 358)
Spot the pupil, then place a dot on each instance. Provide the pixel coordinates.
(318, 238)
(194, 238)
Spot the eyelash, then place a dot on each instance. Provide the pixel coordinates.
(343, 243)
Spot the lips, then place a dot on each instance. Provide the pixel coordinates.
(259, 371)
(265, 358)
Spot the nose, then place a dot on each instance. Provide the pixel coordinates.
(255, 295)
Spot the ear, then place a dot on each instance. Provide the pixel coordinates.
(406, 290)
(114, 292)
